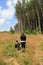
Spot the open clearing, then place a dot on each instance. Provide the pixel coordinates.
(32, 56)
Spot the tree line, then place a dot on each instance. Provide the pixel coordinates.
(30, 15)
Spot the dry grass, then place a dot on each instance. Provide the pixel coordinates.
(33, 54)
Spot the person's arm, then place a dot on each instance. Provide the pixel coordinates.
(25, 37)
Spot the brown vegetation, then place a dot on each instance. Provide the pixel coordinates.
(32, 54)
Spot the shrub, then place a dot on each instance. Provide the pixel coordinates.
(27, 31)
(34, 32)
(12, 30)
(37, 30)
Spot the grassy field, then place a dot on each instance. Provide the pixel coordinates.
(10, 56)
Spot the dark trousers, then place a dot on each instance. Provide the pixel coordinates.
(23, 44)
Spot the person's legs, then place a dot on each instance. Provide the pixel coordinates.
(23, 44)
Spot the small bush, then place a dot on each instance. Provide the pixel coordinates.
(12, 30)
(37, 30)
(34, 32)
(27, 32)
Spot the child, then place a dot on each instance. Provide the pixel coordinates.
(17, 45)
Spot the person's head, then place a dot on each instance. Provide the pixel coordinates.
(22, 33)
(16, 40)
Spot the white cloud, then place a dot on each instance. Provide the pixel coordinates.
(9, 3)
(14, 2)
(7, 14)
(1, 21)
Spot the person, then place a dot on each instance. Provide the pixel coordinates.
(23, 41)
(17, 45)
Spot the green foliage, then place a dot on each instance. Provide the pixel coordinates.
(27, 31)
(29, 13)
(12, 30)
(37, 31)
(34, 32)
(2, 63)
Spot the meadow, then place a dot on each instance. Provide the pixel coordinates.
(10, 56)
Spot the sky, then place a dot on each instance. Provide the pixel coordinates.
(7, 14)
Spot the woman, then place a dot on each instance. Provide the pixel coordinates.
(23, 41)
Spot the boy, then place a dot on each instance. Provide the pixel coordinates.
(17, 45)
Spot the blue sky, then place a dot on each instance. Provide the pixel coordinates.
(7, 14)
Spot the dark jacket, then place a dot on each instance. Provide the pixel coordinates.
(23, 38)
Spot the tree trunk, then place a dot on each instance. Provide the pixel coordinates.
(38, 18)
